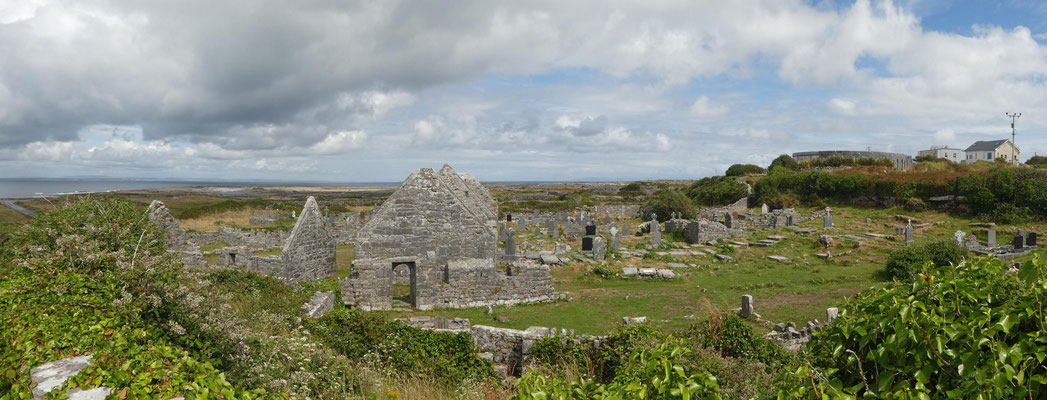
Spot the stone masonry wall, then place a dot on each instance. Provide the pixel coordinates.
(459, 284)
(309, 252)
(423, 220)
(249, 238)
(177, 240)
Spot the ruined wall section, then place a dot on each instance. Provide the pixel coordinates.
(309, 252)
(253, 239)
(423, 219)
(177, 240)
(461, 283)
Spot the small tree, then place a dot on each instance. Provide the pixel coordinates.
(784, 161)
(666, 201)
(744, 169)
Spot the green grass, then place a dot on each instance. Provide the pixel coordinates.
(213, 246)
(9, 216)
(343, 260)
(269, 252)
(798, 290)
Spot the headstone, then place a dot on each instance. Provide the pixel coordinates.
(599, 248)
(959, 237)
(326, 212)
(747, 306)
(508, 218)
(992, 238)
(534, 215)
(293, 216)
(1021, 232)
(568, 229)
(537, 229)
(827, 221)
(550, 227)
(1019, 242)
(868, 220)
(625, 229)
(728, 220)
(908, 233)
(1030, 239)
(555, 232)
(590, 230)
(510, 244)
(614, 239)
(789, 220)
(831, 314)
(587, 243)
(656, 233)
(606, 219)
(764, 209)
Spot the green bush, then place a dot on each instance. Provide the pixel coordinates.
(631, 190)
(447, 358)
(716, 191)
(734, 337)
(1036, 160)
(658, 372)
(744, 169)
(902, 264)
(666, 201)
(784, 161)
(963, 331)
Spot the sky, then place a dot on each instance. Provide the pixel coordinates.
(368, 91)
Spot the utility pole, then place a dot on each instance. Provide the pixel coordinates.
(1014, 147)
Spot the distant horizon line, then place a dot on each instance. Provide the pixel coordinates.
(296, 182)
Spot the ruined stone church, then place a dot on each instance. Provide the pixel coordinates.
(442, 227)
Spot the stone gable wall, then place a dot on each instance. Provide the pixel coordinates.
(309, 252)
(424, 220)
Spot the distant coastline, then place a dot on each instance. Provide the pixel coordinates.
(22, 188)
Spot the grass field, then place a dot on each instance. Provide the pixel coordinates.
(10, 216)
(798, 290)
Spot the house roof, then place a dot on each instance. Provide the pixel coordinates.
(984, 145)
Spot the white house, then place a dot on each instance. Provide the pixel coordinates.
(989, 150)
(946, 152)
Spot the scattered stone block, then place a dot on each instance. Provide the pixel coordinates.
(831, 313)
(666, 274)
(648, 272)
(634, 320)
(747, 306)
(51, 375)
(629, 272)
(724, 258)
(778, 258)
(549, 259)
(319, 304)
(678, 265)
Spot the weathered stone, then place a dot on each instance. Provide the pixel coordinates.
(177, 240)
(827, 220)
(656, 234)
(51, 375)
(599, 248)
(747, 306)
(666, 274)
(831, 314)
(825, 240)
(309, 253)
(992, 238)
(908, 233)
(634, 320)
(629, 272)
(319, 304)
(778, 258)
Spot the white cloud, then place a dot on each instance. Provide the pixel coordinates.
(944, 136)
(842, 106)
(340, 142)
(702, 109)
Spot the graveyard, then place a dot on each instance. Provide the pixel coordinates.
(492, 278)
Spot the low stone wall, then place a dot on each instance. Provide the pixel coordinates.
(458, 284)
(620, 210)
(247, 238)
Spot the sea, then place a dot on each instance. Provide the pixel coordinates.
(21, 188)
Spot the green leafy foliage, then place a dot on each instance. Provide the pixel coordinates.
(716, 191)
(964, 331)
(666, 201)
(744, 169)
(904, 263)
(785, 162)
(448, 358)
(658, 372)
(1036, 160)
(732, 336)
(94, 277)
